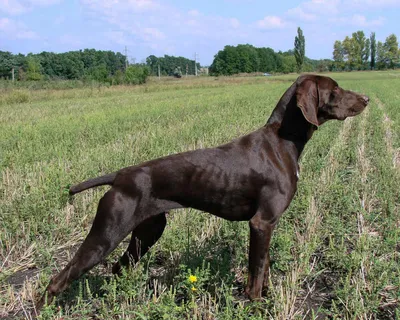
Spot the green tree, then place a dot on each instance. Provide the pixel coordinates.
(245, 62)
(247, 58)
(348, 51)
(299, 49)
(152, 62)
(7, 62)
(381, 56)
(99, 73)
(373, 50)
(267, 60)
(360, 49)
(356, 51)
(289, 64)
(391, 46)
(365, 53)
(169, 63)
(33, 69)
(232, 60)
(338, 54)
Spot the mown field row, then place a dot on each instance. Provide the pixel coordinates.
(335, 252)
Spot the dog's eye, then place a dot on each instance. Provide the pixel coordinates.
(333, 95)
(334, 92)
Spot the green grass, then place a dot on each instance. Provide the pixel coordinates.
(336, 251)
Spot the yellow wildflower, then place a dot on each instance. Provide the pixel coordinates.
(194, 289)
(192, 279)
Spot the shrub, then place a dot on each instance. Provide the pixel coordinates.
(136, 74)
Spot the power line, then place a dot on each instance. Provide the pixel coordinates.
(128, 58)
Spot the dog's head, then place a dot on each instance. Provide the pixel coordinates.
(321, 99)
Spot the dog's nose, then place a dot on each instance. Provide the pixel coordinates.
(366, 99)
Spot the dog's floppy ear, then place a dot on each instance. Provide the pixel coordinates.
(308, 100)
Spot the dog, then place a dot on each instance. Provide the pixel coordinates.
(252, 178)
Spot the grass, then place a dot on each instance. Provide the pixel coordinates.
(336, 251)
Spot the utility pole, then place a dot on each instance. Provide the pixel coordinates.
(126, 58)
(195, 63)
(12, 74)
(159, 73)
(187, 69)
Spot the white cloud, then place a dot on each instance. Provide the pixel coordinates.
(234, 23)
(16, 30)
(118, 37)
(374, 3)
(16, 7)
(127, 16)
(319, 7)
(193, 13)
(12, 7)
(73, 42)
(270, 22)
(358, 20)
(298, 12)
(141, 4)
(191, 22)
(43, 2)
(121, 5)
(162, 24)
(59, 19)
(153, 33)
(361, 21)
(313, 10)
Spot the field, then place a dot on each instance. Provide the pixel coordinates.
(335, 252)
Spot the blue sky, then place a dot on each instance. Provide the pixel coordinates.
(184, 27)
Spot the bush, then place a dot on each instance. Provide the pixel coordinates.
(136, 74)
(118, 77)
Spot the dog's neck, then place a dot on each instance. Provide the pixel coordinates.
(289, 123)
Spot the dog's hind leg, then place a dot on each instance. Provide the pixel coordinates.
(113, 222)
(144, 236)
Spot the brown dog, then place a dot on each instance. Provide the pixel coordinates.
(252, 178)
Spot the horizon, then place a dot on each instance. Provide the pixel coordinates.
(150, 27)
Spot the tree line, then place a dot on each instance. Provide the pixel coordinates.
(361, 53)
(170, 65)
(245, 58)
(353, 53)
(90, 64)
(87, 65)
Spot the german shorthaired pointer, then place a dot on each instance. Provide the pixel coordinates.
(253, 178)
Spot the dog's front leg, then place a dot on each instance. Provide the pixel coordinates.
(260, 237)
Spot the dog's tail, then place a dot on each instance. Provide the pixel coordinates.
(99, 181)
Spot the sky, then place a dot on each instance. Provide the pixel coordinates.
(186, 27)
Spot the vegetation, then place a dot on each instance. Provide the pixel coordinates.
(136, 74)
(336, 251)
(299, 49)
(87, 65)
(169, 65)
(69, 65)
(245, 58)
(353, 53)
(373, 50)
